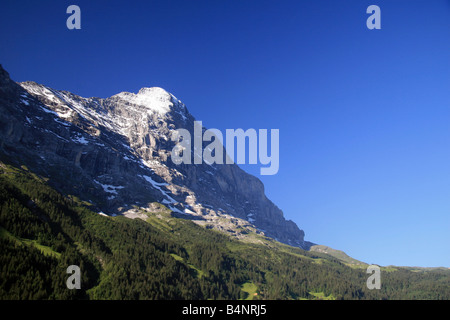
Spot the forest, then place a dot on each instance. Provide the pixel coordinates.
(42, 232)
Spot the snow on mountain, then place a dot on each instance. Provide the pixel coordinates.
(117, 151)
(154, 99)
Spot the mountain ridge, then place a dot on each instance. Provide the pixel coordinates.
(115, 152)
(163, 257)
(76, 192)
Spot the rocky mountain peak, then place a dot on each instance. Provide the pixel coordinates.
(153, 99)
(114, 153)
(154, 91)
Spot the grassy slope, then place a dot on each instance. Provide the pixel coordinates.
(21, 241)
(270, 269)
(338, 254)
(250, 289)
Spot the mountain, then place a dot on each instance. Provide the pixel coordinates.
(115, 154)
(89, 182)
(42, 232)
(338, 254)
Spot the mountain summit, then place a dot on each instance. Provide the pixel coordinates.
(155, 99)
(114, 153)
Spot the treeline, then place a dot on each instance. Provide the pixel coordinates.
(43, 232)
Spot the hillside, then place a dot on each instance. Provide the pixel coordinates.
(116, 153)
(164, 257)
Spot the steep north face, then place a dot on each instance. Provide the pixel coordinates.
(115, 154)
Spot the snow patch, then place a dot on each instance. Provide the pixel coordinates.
(109, 188)
(66, 124)
(80, 140)
(49, 111)
(177, 210)
(155, 99)
(158, 185)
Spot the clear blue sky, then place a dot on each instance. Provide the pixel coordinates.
(364, 115)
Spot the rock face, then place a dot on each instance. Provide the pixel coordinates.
(116, 154)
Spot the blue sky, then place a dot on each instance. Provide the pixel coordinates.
(364, 115)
